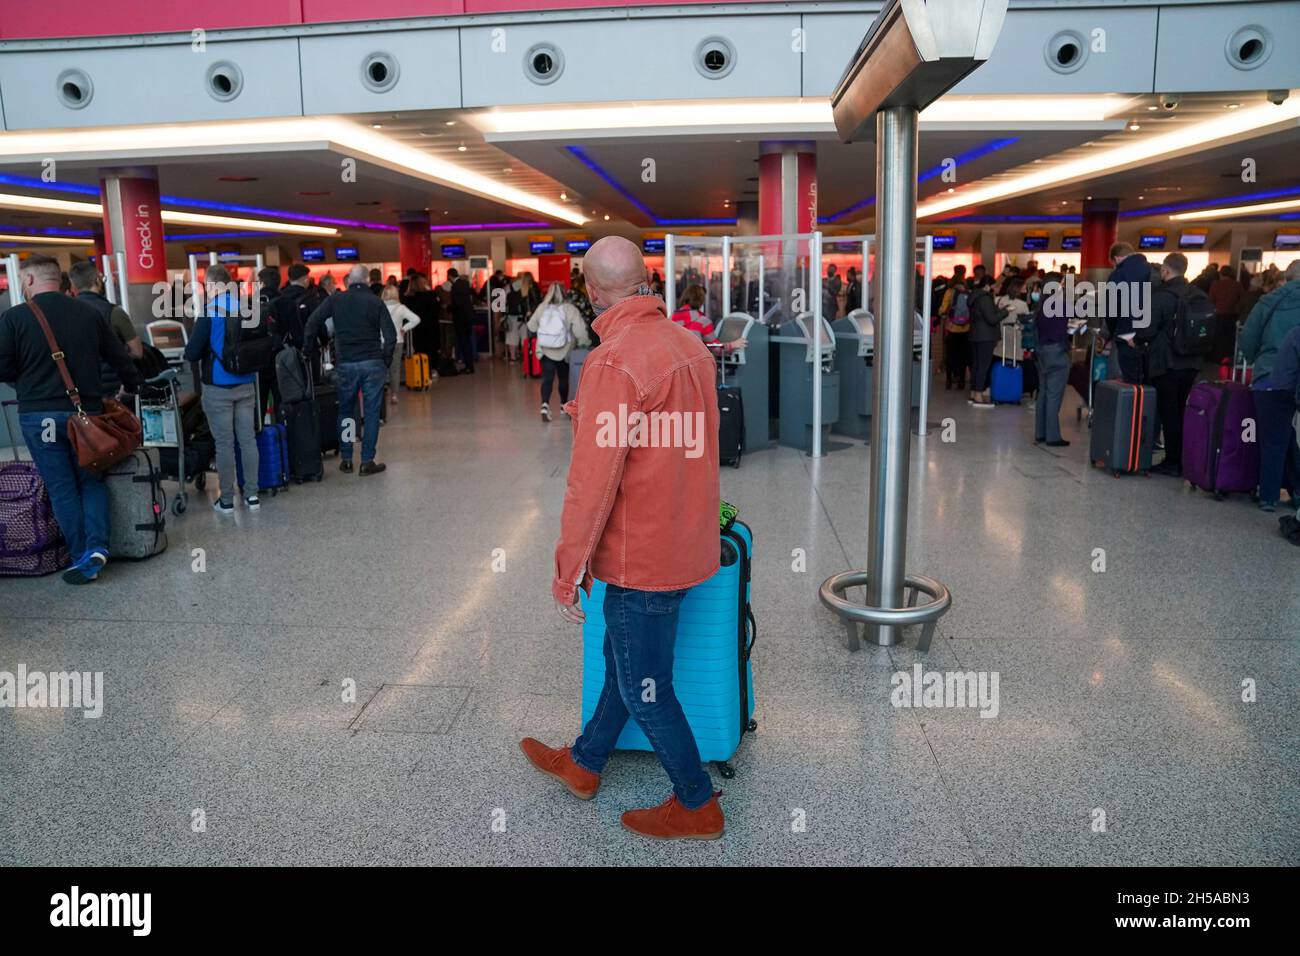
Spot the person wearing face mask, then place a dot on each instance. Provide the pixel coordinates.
(1053, 358)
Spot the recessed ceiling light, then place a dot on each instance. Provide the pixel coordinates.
(450, 123)
(376, 125)
(1088, 198)
(726, 202)
(461, 148)
(506, 170)
(1133, 127)
(1038, 160)
(1234, 106)
(1142, 197)
(1065, 202)
(1152, 108)
(607, 218)
(952, 189)
(564, 197)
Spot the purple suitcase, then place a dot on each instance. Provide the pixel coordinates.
(1215, 457)
(31, 543)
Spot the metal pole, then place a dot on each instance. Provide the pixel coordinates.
(119, 260)
(15, 279)
(892, 398)
(814, 287)
(726, 276)
(926, 375)
(670, 274)
(761, 280)
(862, 277)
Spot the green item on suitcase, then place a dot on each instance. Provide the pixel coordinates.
(727, 515)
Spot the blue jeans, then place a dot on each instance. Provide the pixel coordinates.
(640, 631)
(368, 377)
(1053, 372)
(1279, 461)
(79, 497)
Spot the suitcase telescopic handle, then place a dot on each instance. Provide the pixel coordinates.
(9, 435)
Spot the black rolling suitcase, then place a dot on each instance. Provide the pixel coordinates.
(327, 417)
(305, 459)
(731, 425)
(1123, 427)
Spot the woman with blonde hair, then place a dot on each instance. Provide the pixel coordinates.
(403, 321)
(558, 325)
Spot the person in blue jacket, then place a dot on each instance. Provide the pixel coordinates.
(1262, 341)
(1131, 270)
(229, 401)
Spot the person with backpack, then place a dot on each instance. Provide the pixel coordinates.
(1176, 343)
(230, 354)
(1268, 326)
(558, 325)
(955, 309)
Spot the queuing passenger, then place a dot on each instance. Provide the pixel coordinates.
(558, 325)
(327, 287)
(293, 306)
(832, 286)
(404, 320)
(376, 281)
(230, 401)
(956, 331)
(1172, 375)
(78, 497)
(88, 284)
(1226, 294)
(1052, 353)
(1207, 278)
(1131, 269)
(364, 340)
(1286, 377)
(521, 303)
(462, 319)
(424, 302)
(644, 519)
(578, 296)
(1272, 319)
(853, 290)
(985, 333)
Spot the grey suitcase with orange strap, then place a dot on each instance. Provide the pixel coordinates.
(1123, 427)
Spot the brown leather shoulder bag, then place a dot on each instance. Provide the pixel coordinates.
(100, 441)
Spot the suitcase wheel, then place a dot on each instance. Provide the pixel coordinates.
(724, 768)
(752, 725)
(200, 480)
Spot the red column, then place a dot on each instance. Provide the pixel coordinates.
(133, 222)
(776, 186)
(415, 245)
(1100, 229)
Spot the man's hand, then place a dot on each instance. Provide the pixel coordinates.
(571, 612)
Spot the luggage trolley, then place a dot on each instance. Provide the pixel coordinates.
(1090, 367)
(158, 406)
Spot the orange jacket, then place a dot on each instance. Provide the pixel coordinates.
(641, 506)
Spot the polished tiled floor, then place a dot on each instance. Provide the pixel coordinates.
(1120, 691)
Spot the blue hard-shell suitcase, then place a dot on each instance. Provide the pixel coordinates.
(712, 675)
(272, 459)
(1008, 378)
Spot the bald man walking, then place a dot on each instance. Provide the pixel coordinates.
(641, 514)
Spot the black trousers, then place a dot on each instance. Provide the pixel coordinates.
(464, 342)
(956, 357)
(551, 369)
(1172, 389)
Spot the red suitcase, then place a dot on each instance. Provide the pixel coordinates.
(532, 361)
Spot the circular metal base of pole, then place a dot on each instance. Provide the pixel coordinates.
(886, 620)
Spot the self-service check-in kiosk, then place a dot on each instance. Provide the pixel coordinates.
(799, 350)
(747, 369)
(854, 361)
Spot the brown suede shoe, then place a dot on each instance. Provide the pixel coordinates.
(557, 762)
(672, 821)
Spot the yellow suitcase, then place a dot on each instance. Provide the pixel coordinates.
(416, 368)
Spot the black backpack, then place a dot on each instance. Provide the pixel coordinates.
(1192, 329)
(246, 350)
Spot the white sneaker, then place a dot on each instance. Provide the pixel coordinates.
(253, 503)
(546, 412)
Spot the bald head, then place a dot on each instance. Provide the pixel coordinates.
(614, 270)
